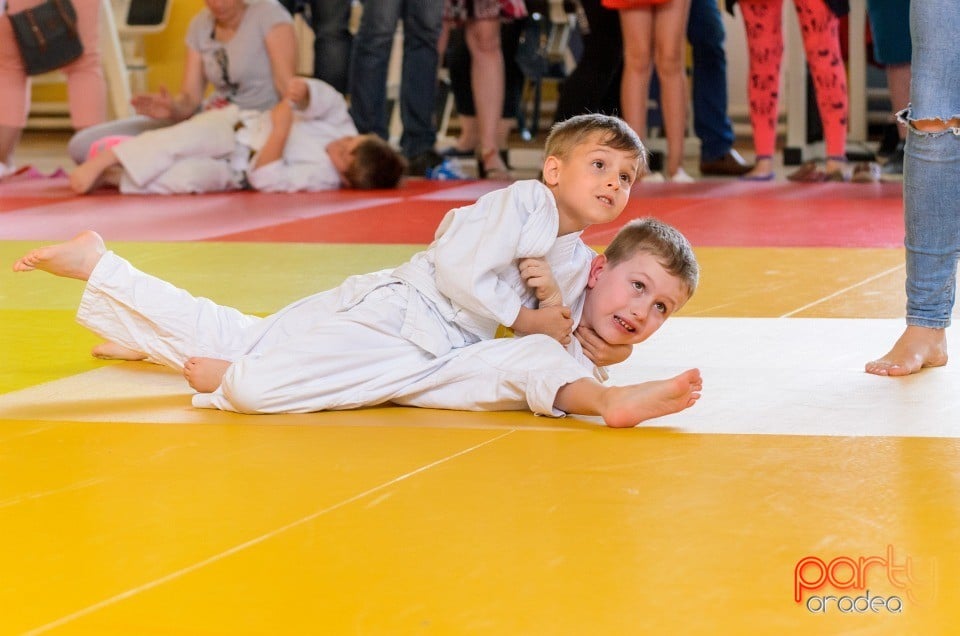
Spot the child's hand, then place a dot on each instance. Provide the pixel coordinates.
(550, 321)
(298, 93)
(537, 274)
(599, 351)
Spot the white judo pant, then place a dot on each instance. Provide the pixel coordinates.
(192, 156)
(315, 355)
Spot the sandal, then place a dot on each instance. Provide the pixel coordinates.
(838, 176)
(496, 174)
(766, 176)
(866, 172)
(841, 171)
(809, 172)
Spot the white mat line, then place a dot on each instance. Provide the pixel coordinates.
(31, 496)
(252, 542)
(843, 291)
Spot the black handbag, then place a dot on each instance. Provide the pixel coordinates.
(47, 36)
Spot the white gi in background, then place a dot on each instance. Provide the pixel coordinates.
(411, 335)
(214, 150)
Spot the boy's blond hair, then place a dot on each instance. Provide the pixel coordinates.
(664, 242)
(375, 165)
(608, 131)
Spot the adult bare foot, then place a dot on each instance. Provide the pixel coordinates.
(112, 351)
(917, 348)
(627, 406)
(204, 375)
(75, 258)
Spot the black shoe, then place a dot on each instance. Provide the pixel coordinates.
(417, 166)
(655, 161)
(889, 141)
(456, 153)
(894, 164)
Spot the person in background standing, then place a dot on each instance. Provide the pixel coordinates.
(890, 25)
(931, 190)
(594, 85)
(422, 20)
(86, 87)
(481, 23)
(653, 36)
(332, 41)
(711, 123)
(461, 85)
(820, 30)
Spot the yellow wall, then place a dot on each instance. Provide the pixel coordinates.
(165, 52)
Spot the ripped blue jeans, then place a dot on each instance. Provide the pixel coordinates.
(931, 174)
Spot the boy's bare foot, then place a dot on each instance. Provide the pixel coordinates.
(204, 375)
(86, 176)
(917, 348)
(75, 258)
(626, 406)
(112, 351)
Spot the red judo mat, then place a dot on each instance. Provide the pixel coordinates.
(711, 213)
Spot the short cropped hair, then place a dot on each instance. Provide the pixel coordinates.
(664, 242)
(609, 131)
(376, 165)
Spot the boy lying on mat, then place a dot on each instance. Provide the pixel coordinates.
(272, 365)
(307, 142)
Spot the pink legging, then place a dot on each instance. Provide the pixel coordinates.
(821, 42)
(85, 84)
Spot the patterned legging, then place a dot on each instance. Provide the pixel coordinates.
(821, 42)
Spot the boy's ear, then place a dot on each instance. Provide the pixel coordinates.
(597, 265)
(551, 170)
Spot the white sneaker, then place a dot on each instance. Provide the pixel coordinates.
(681, 176)
(653, 177)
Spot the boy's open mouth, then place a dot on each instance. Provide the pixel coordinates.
(624, 323)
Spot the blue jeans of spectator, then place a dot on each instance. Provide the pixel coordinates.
(710, 121)
(931, 171)
(330, 21)
(422, 20)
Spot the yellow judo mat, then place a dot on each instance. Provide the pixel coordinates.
(799, 496)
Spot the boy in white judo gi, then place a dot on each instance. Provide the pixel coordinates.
(406, 335)
(307, 142)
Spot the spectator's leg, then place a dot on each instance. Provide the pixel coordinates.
(710, 121)
(763, 23)
(821, 43)
(422, 22)
(487, 78)
(368, 65)
(15, 88)
(86, 86)
(669, 28)
(330, 21)
(594, 86)
(932, 163)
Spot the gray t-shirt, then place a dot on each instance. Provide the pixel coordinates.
(239, 70)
